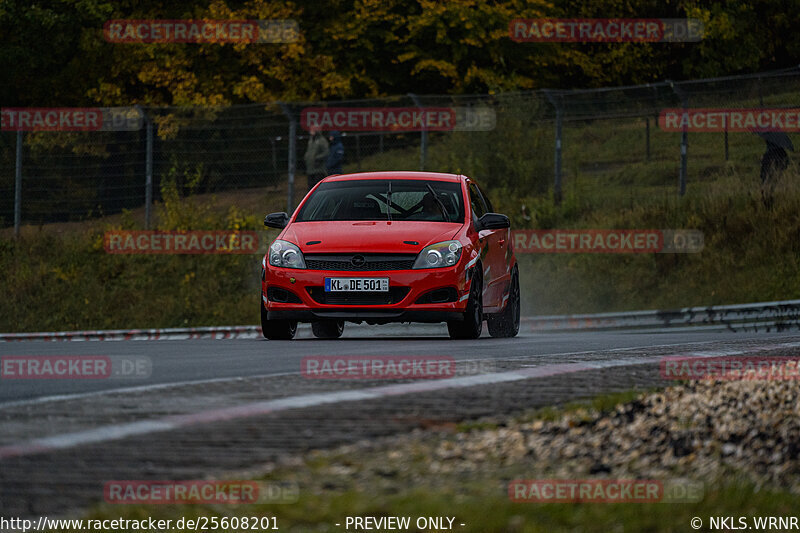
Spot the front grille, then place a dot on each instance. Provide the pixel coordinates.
(372, 262)
(393, 296)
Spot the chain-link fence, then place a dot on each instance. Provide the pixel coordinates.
(588, 143)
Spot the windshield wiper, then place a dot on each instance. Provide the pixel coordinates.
(389, 202)
(439, 201)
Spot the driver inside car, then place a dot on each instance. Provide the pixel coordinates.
(430, 209)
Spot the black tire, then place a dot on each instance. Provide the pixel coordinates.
(327, 329)
(506, 324)
(472, 325)
(277, 330)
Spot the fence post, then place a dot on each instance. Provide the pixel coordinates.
(148, 201)
(148, 167)
(557, 156)
(18, 187)
(358, 151)
(274, 157)
(292, 156)
(726, 138)
(423, 146)
(760, 93)
(684, 138)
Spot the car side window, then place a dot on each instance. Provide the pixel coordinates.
(486, 201)
(476, 201)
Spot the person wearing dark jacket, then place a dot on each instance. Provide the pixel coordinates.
(335, 154)
(774, 161)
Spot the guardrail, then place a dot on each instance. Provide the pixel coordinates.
(218, 332)
(764, 316)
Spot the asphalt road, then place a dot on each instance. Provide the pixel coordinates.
(216, 407)
(196, 361)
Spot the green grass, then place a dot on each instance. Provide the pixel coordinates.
(465, 427)
(602, 403)
(483, 506)
(65, 281)
(56, 282)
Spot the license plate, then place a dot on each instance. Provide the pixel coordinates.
(356, 284)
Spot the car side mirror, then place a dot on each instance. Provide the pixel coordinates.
(494, 221)
(276, 220)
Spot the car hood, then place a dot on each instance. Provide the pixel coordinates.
(368, 236)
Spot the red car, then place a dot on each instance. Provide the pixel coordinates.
(380, 247)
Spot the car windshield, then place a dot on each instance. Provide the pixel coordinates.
(428, 200)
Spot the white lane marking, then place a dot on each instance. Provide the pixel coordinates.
(720, 353)
(161, 386)
(175, 422)
(138, 388)
(101, 434)
(143, 336)
(222, 332)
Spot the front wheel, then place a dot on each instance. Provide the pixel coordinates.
(327, 329)
(472, 325)
(277, 330)
(506, 324)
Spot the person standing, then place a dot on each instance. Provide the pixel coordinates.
(336, 154)
(774, 161)
(315, 157)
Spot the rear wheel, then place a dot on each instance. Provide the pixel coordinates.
(327, 329)
(506, 324)
(276, 330)
(472, 325)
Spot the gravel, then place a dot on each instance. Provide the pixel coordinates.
(704, 430)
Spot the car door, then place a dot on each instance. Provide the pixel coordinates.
(493, 252)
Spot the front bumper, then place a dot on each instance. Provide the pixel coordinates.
(305, 286)
(370, 316)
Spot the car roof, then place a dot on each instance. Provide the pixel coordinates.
(398, 175)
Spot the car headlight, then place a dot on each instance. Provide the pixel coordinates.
(441, 254)
(285, 254)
